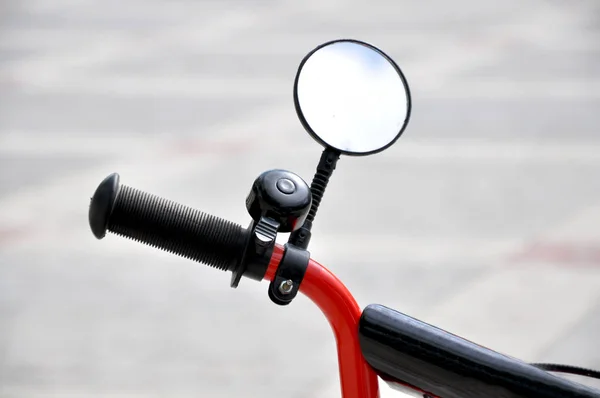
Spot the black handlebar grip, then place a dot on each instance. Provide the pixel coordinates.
(164, 224)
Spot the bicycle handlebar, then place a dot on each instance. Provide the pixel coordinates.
(166, 225)
(221, 244)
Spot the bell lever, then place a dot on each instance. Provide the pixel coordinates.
(301, 237)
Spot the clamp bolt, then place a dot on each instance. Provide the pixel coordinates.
(286, 287)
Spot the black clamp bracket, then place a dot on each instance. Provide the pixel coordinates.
(290, 273)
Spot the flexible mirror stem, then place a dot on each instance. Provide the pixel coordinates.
(327, 163)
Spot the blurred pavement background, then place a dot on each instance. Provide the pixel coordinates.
(483, 219)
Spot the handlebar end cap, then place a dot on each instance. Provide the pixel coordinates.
(102, 204)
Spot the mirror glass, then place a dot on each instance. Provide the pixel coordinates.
(352, 97)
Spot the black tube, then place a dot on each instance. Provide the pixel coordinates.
(406, 350)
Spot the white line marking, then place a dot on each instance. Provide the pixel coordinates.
(418, 151)
(126, 144)
(501, 152)
(466, 151)
(515, 90)
(213, 87)
(197, 87)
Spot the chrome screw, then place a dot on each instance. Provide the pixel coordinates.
(286, 287)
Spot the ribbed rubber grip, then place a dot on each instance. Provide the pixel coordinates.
(176, 228)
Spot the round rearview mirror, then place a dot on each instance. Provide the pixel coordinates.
(352, 97)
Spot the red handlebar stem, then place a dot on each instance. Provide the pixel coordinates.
(357, 378)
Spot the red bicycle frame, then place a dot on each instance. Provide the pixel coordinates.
(357, 378)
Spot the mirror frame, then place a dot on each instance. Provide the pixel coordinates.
(310, 131)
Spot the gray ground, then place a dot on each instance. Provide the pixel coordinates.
(483, 219)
